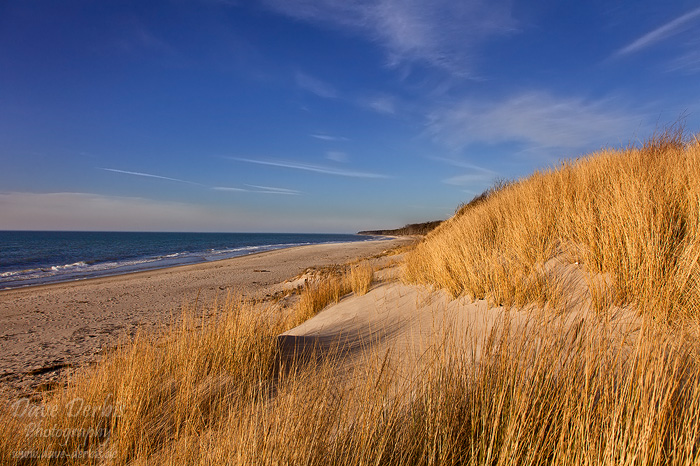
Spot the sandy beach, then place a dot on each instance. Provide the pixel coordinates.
(46, 330)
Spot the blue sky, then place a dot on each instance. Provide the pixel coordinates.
(318, 116)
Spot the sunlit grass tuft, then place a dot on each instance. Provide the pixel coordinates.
(361, 276)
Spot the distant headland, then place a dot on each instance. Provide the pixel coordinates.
(407, 230)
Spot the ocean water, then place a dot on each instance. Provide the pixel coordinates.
(39, 257)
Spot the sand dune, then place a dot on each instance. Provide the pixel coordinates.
(403, 326)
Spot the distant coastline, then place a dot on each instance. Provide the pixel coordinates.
(410, 229)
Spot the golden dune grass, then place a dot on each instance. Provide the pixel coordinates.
(213, 394)
(630, 215)
(361, 276)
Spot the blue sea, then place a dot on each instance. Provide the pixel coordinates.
(40, 257)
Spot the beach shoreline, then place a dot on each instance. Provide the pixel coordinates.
(205, 263)
(32, 258)
(48, 329)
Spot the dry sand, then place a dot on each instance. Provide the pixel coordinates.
(402, 327)
(45, 330)
(397, 326)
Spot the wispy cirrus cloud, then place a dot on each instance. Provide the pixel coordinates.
(475, 175)
(328, 137)
(315, 86)
(462, 164)
(274, 190)
(535, 119)
(147, 175)
(257, 190)
(229, 189)
(661, 33)
(439, 33)
(337, 156)
(383, 104)
(688, 62)
(310, 168)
